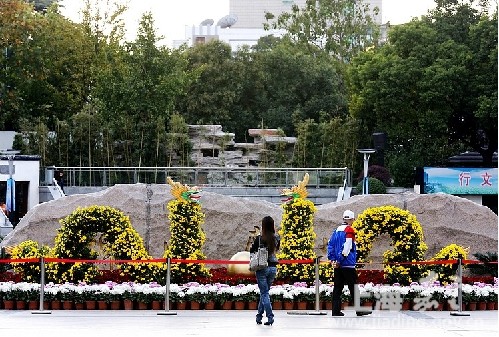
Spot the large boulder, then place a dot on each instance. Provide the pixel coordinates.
(230, 221)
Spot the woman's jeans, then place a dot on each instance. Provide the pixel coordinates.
(264, 278)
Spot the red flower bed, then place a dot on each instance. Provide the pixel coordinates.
(374, 276)
(219, 275)
(8, 276)
(489, 279)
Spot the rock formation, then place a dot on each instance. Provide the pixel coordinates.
(229, 221)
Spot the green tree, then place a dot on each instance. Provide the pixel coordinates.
(473, 120)
(87, 136)
(211, 97)
(417, 89)
(43, 67)
(298, 86)
(16, 25)
(140, 87)
(331, 143)
(177, 140)
(341, 28)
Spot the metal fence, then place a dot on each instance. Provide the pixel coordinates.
(203, 176)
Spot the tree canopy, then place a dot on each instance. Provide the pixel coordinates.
(432, 88)
(80, 94)
(341, 28)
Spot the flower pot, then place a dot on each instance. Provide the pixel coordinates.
(252, 305)
(481, 306)
(90, 304)
(55, 305)
(406, 305)
(79, 306)
(67, 305)
(368, 304)
(101, 305)
(195, 305)
(9, 304)
(210, 305)
(288, 305)
(440, 307)
(227, 305)
(239, 305)
(156, 305)
(471, 306)
(20, 305)
(127, 304)
(181, 305)
(276, 305)
(142, 305)
(33, 305)
(490, 306)
(301, 305)
(114, 305)
(327, 305)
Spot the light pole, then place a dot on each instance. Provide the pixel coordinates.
(11, 185)
(365, 182)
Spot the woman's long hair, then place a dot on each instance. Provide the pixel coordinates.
(268, 233)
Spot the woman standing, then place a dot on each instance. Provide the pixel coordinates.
(266, 276)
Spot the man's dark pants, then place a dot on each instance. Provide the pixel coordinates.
(343, 276)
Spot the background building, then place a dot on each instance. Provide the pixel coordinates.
(244, 23)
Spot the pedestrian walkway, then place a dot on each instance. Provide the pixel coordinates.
(237, 323)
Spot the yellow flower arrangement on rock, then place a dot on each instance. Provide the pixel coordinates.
(407, 241)
(118, 239)
(187, 236)
(297, 235)
(76, 239)
(30, 272)
(447, 272)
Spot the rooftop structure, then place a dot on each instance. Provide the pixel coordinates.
(244, 23)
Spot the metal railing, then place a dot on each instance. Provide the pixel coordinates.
(204, 176)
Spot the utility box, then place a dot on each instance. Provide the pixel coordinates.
(49, 175)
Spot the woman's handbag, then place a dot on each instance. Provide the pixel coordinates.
(259, 260)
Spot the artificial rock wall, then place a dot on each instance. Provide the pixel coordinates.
(445, 219)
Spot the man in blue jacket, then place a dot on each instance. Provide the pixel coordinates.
(342, 252)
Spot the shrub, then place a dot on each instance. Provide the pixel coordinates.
(486, 268)
(375, 186)
(379, 172)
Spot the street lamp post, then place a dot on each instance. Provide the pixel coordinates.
(365, 182)
(11, 187)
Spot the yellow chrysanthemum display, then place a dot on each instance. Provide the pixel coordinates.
(187, 236)
(446, 272)
(30, 272)
(298, 236)
(407, 237)
(119, 241)
(76, 239)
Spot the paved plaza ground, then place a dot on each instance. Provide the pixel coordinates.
(239, 323)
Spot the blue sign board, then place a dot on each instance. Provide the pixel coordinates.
(460, 180)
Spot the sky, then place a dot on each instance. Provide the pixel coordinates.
(171, 16)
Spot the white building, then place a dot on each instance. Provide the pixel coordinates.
(25, 170)
(244, 23)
